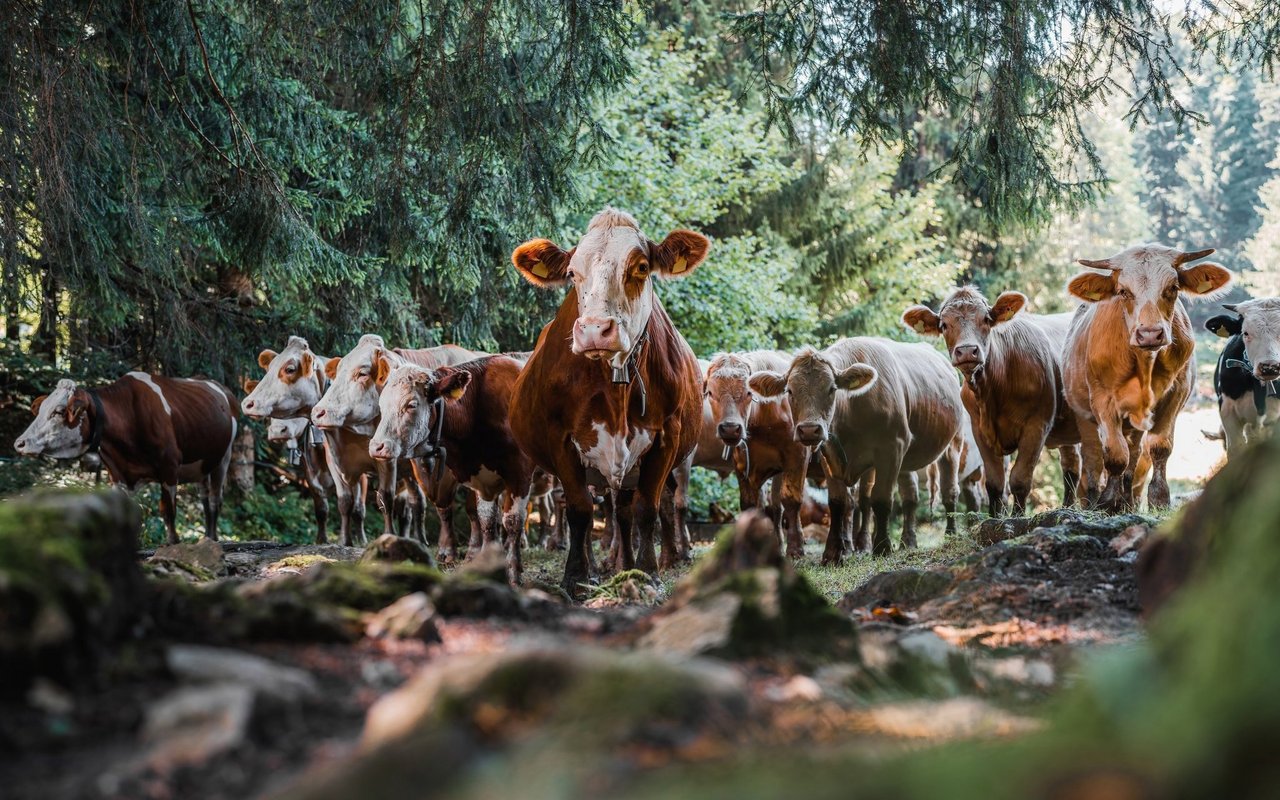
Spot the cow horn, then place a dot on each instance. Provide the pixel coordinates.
(1182, 258)
(1231, 307)
(1100, 264)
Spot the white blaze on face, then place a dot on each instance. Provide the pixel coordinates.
(352, 399)
(49, 434)
(1260, 330)
(615, 455)
(405, 421)
(290, 386)
(287, 431)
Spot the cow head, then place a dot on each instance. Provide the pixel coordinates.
(287, 431)
(725, 387)
(610, 270)
(61, 425)
(813, 384)
(1145, 282)
(291, 386)
(964, 321)
(352, 399)
(1259, 328)
(408, 407)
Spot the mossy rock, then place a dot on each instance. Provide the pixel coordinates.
(395, 549)
(70, 584)
(903, 587)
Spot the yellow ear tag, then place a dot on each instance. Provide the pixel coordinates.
(540, 269)
(1204, 287)
(919, 326)
(680, 266)
(454, 394)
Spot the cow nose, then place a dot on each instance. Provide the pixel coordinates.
(597, 333)
(319, 413)
(809, 432)
(379, 450)
(965, 353)
(1268, 370)
(248, 404)
(1150, 336)
(729, 432)
(20, 445)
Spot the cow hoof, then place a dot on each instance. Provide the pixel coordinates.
(577, 587)
(833, 561)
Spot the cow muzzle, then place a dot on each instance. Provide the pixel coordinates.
(810, 433)
(1267, 371)
(1150, 337)
(730, 433)
(966, 356)
(23, 448)
(322, 418)
(381, 450)
(596, 337)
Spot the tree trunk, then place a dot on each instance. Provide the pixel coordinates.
(242, 459)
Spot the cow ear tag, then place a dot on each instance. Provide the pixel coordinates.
(680, 266)
(1204, 287)
(919, 326)
(540, 269)
(455, 394)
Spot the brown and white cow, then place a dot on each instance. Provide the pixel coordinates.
(460, 414)
(764, 430)
(1013, 388)
(1128, 363)
(348, 412)
(145, 428)
(873, 404)
(294, 435)
(610, 396)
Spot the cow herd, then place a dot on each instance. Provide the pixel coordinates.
(613, 403)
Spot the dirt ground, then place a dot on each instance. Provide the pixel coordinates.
(964, 638)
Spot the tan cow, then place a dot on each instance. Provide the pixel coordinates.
(872, 403)
(761, 433)
(1128, 363)
(1013, 388)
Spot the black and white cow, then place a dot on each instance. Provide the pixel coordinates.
(1247, 378)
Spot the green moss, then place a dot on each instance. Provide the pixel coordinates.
(300, 561)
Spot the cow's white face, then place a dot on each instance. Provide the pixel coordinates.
(965, 321)
(352, 399)
(609, 270)
(1145, 282)
(813, 385)
(408, 408)
(287, 431)
(291, 385)
(59, 429)
(1260, 330)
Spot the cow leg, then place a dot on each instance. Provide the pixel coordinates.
(1090, 462)
(1069, 459)
(909, 491)
(792, 483)
(513, 527)
(1233, 429)
(993, 475)
(667, 520)
(489, 519)
(320, 504)
(838, 503)
(346, 507)
(558, 531)
(624, 552)
(386, 496)
(947, 468)
(578, 518)
(476, 541)
(169, 511)
(862, 514)
(1115, 459)
(680, 498)
(882, 503)
(1030, 444)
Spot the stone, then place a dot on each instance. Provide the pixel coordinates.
(396, 549)
(201, 664)
(699, 627)
(196, 723)
(411, 617)
(201, 560)
(903, 587)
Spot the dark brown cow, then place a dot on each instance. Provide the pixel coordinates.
(146, 428)
(610, 396)
(473, 436)
(1013, 387)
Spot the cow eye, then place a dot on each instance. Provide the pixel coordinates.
(571, 275)
(412, 405)
(942, 326)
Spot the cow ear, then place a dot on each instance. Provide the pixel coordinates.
(249, 385)
(266, 357)
(1092, 287)
(767, 383)
(381, 370)
(1223, 325)
(305, 364)
(679, 253)
(331, 367)
(75, 407)
(542, 263)
(1006, 307)
(452, 383)
(857, 378)
(922, 320)
(35, 404)
(1202, 279)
